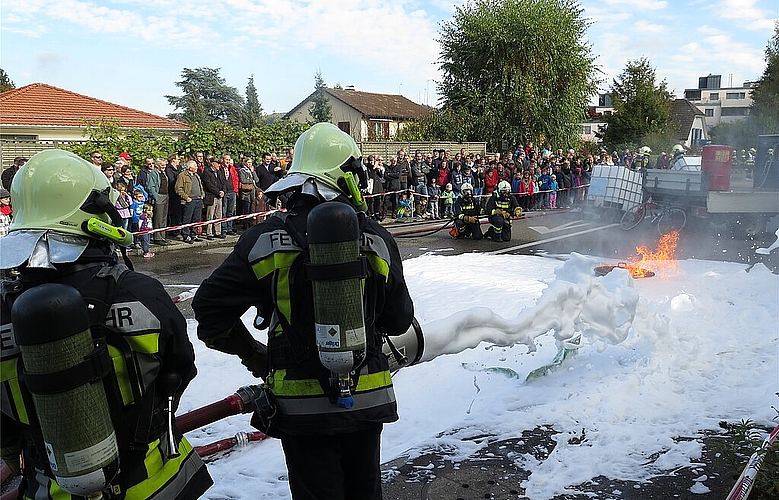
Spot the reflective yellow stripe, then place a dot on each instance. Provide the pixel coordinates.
(8, 369)
(147, 344)
(372, 381)
(304, 387)
(158, 473)
(379, 265)
(311, 387)
(120, 368)
(277, 260)
(281, 261)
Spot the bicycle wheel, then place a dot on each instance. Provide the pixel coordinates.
(633, 217)
(672, 219)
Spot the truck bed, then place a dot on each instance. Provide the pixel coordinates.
(686, 188)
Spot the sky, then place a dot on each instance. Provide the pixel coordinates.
(131, 52)
(661, 358)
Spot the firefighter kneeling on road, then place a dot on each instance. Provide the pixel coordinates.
(328, 282)
(94, 356)
(466, 214)
(500, 207)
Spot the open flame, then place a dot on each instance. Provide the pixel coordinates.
(663, 258)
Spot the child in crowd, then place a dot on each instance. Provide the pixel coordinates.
(553, 186)
(258, 205)
(404, 205)
(144, 224)
(123, 204)
(434, 192)
(6, 212)
(422, 207)
(448, 197)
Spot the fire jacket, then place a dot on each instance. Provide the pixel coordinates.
(266, 270)
(146, 335)
(500, 209)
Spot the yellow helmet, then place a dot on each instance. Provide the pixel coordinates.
(60, 202)
(331, 158)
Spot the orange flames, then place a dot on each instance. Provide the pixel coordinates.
(663, 258)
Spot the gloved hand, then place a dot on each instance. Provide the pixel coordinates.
(505, 214)
(518, 212)
(469, 219)
(256, 360)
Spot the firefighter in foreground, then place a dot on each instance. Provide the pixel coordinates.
(328, 283)
(466, 214)
(94, 356)
(500, 207)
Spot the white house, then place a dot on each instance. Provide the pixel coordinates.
(365, 116)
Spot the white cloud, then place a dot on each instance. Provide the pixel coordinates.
(746, 14)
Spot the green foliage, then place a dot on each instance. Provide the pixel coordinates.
(106, 136)
(741, 441)
(741, 134)
(765, 97)
(518, 69)
(641, 106)
(5, 81)
(206, 98)
(252, 110)
(218, 138)
(447, 124)
(215, 138)
(320, 108)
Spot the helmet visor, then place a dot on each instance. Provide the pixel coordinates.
(40, 248)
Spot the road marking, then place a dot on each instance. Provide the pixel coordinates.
(555, 238)
(567, 225)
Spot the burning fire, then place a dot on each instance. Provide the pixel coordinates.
(663, 258)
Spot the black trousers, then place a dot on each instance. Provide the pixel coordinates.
(339, 467)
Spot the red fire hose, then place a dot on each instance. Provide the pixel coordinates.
(242, 439)
(231, 405)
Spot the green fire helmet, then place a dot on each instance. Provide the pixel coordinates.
(327, 163)
(678, 149)
(504, 187)
(57, 198)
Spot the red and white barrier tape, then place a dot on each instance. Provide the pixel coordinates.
(746, 480)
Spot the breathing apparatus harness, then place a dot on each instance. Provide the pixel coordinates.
(47, 290)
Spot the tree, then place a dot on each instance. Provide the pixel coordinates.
(5, 82)
(320, 108)
(765, 95)
(519, 68)
(206, 98)
(641, 106)
(252, 111)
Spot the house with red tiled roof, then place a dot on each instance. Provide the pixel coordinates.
(365, 116)
(41, 112)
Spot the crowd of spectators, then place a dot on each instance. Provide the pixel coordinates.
(169, 192)
(540, 179)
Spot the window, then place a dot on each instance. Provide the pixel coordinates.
(714, 96)
(18, 137)
(735, 111)
(735, 95)
(709, 111)
(587, 130)
(696, 135)
(345, 127)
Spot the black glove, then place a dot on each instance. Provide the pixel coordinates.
(256, 360)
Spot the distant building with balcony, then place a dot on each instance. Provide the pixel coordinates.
(720, 104)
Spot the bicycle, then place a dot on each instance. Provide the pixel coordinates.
(665, 217)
